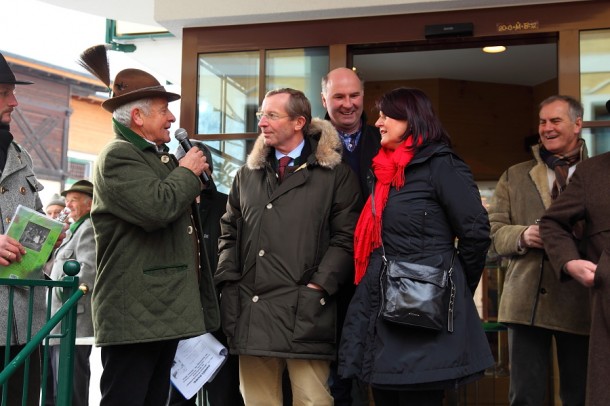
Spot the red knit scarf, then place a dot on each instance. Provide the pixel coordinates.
(389, 169)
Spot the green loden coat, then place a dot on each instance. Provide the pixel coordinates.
(146, 227)
(534, 294)
(276, 238)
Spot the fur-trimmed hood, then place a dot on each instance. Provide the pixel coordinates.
(327, 152)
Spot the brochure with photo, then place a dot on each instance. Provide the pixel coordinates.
(38, 234)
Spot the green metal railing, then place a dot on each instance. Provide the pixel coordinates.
(66, 315)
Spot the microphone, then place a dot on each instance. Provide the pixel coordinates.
(183, 138)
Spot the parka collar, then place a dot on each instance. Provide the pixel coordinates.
(327, 153)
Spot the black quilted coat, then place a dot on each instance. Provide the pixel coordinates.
(438, 203)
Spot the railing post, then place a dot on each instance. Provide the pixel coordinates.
(67, 342)
(66, 314)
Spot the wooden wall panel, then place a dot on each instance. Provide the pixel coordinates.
(487, 131)
(90, 127)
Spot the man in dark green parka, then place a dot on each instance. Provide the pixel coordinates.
(285, 249)
(147, 291)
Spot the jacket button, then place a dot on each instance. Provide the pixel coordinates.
(322, 301)
(269, 205)
(22, 190)
(3, 190)
(255, 299)
(189, 229)
(261, 253)
(543, 291)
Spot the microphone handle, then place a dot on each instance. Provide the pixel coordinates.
(186, 146)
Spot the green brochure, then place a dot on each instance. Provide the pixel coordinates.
(38, 234)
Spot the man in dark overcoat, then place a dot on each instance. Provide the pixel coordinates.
(587, 199)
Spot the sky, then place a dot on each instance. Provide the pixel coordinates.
(57, 36)
(47, 33)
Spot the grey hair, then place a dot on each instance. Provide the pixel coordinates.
(122, 114)
(575, 108)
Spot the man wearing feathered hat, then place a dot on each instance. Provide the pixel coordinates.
(18, 185)
(149, 269)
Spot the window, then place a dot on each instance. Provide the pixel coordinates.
(228, 93)
(595, 88)
(78, 169)
(300, 69)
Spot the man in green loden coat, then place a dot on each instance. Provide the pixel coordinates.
(147, 291)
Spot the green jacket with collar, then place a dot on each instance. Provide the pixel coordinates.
(146, 231)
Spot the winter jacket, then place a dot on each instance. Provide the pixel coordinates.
(534, 294)
(277, 238)
(18, 185)
(146, 230)
(438, 202)
(587, 198)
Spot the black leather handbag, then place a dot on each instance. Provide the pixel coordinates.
(414, 294)
(417, 295)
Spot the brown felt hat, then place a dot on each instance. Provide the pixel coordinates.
(135, 84)
(82, 186)
(7, 76)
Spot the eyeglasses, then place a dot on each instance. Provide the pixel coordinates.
(269, 116)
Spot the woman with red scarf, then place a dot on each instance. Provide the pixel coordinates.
(425, 200)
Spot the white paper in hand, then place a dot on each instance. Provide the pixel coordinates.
(197, 361)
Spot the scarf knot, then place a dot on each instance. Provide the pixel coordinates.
(389, 169)
(560, 164)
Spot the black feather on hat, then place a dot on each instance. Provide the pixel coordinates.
(95, 60)
(129, 84)
(7, 76)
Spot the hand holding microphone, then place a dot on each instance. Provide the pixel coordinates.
(194, 160)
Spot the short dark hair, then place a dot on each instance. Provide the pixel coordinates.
(415, 107)
(298, 105)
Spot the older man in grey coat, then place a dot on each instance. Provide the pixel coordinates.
(80, 246)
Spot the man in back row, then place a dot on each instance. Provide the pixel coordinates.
(343, 98)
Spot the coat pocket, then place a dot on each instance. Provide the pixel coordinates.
(316, 317)
(229, 308)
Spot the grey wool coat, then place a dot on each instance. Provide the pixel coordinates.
(276, 238)
(534, 293)
(18, 185)
(146, 227)
(79, 246)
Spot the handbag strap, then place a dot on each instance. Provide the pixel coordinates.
(385, 260)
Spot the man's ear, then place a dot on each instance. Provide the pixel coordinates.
(300, 123)
(136, 117)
